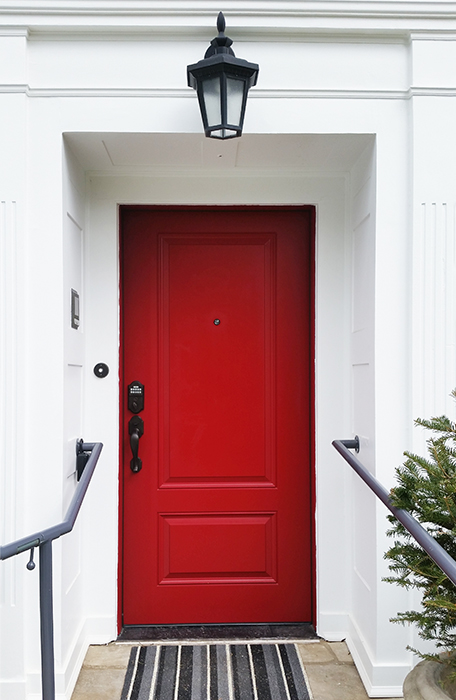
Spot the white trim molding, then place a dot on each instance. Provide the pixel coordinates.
(315, 8)
(257, 15)
(256, 94)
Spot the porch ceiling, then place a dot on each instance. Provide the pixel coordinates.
(317, 153)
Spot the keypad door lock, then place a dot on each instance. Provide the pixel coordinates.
(136, 397)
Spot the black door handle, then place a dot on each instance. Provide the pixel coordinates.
(135, 429)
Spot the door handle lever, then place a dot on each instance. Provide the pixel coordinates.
(136, 430)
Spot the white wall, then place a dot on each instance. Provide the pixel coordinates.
(434, 253)
(377, 649)
(13, 394)
(434, 171)
(362, 501)
(13, 379)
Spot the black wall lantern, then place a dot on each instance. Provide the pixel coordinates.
(222, 82)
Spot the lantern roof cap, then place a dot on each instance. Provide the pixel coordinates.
(222, 63)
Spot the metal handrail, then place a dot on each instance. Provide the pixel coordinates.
(43, 539)
(427, 542)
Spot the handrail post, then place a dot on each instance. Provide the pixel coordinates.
(43, 539)
(47, 622)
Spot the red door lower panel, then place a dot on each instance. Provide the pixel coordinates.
(216, 309)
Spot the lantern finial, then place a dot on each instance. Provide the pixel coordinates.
(221, 24)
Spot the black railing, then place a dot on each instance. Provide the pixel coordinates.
(43, 540)
(428, 543)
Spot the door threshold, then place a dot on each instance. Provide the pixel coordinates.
(264, 631)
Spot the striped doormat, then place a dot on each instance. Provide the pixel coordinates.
(215, 672)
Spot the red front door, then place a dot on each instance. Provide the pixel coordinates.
(216, 324)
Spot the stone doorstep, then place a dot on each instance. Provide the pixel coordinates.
(329, 667)
(331, 672)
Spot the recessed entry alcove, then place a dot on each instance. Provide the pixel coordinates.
(335, 174)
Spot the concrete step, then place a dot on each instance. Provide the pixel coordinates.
(329, 667)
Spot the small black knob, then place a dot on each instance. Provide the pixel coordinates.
(101, 370)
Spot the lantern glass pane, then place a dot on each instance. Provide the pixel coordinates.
(211, 95)
(235, 94)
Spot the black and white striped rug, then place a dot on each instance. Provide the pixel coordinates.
(215, 672)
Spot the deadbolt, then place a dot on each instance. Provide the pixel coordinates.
(136, 397)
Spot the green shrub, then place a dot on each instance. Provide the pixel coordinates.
(427, 489)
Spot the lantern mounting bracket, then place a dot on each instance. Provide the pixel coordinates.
(221, 43)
